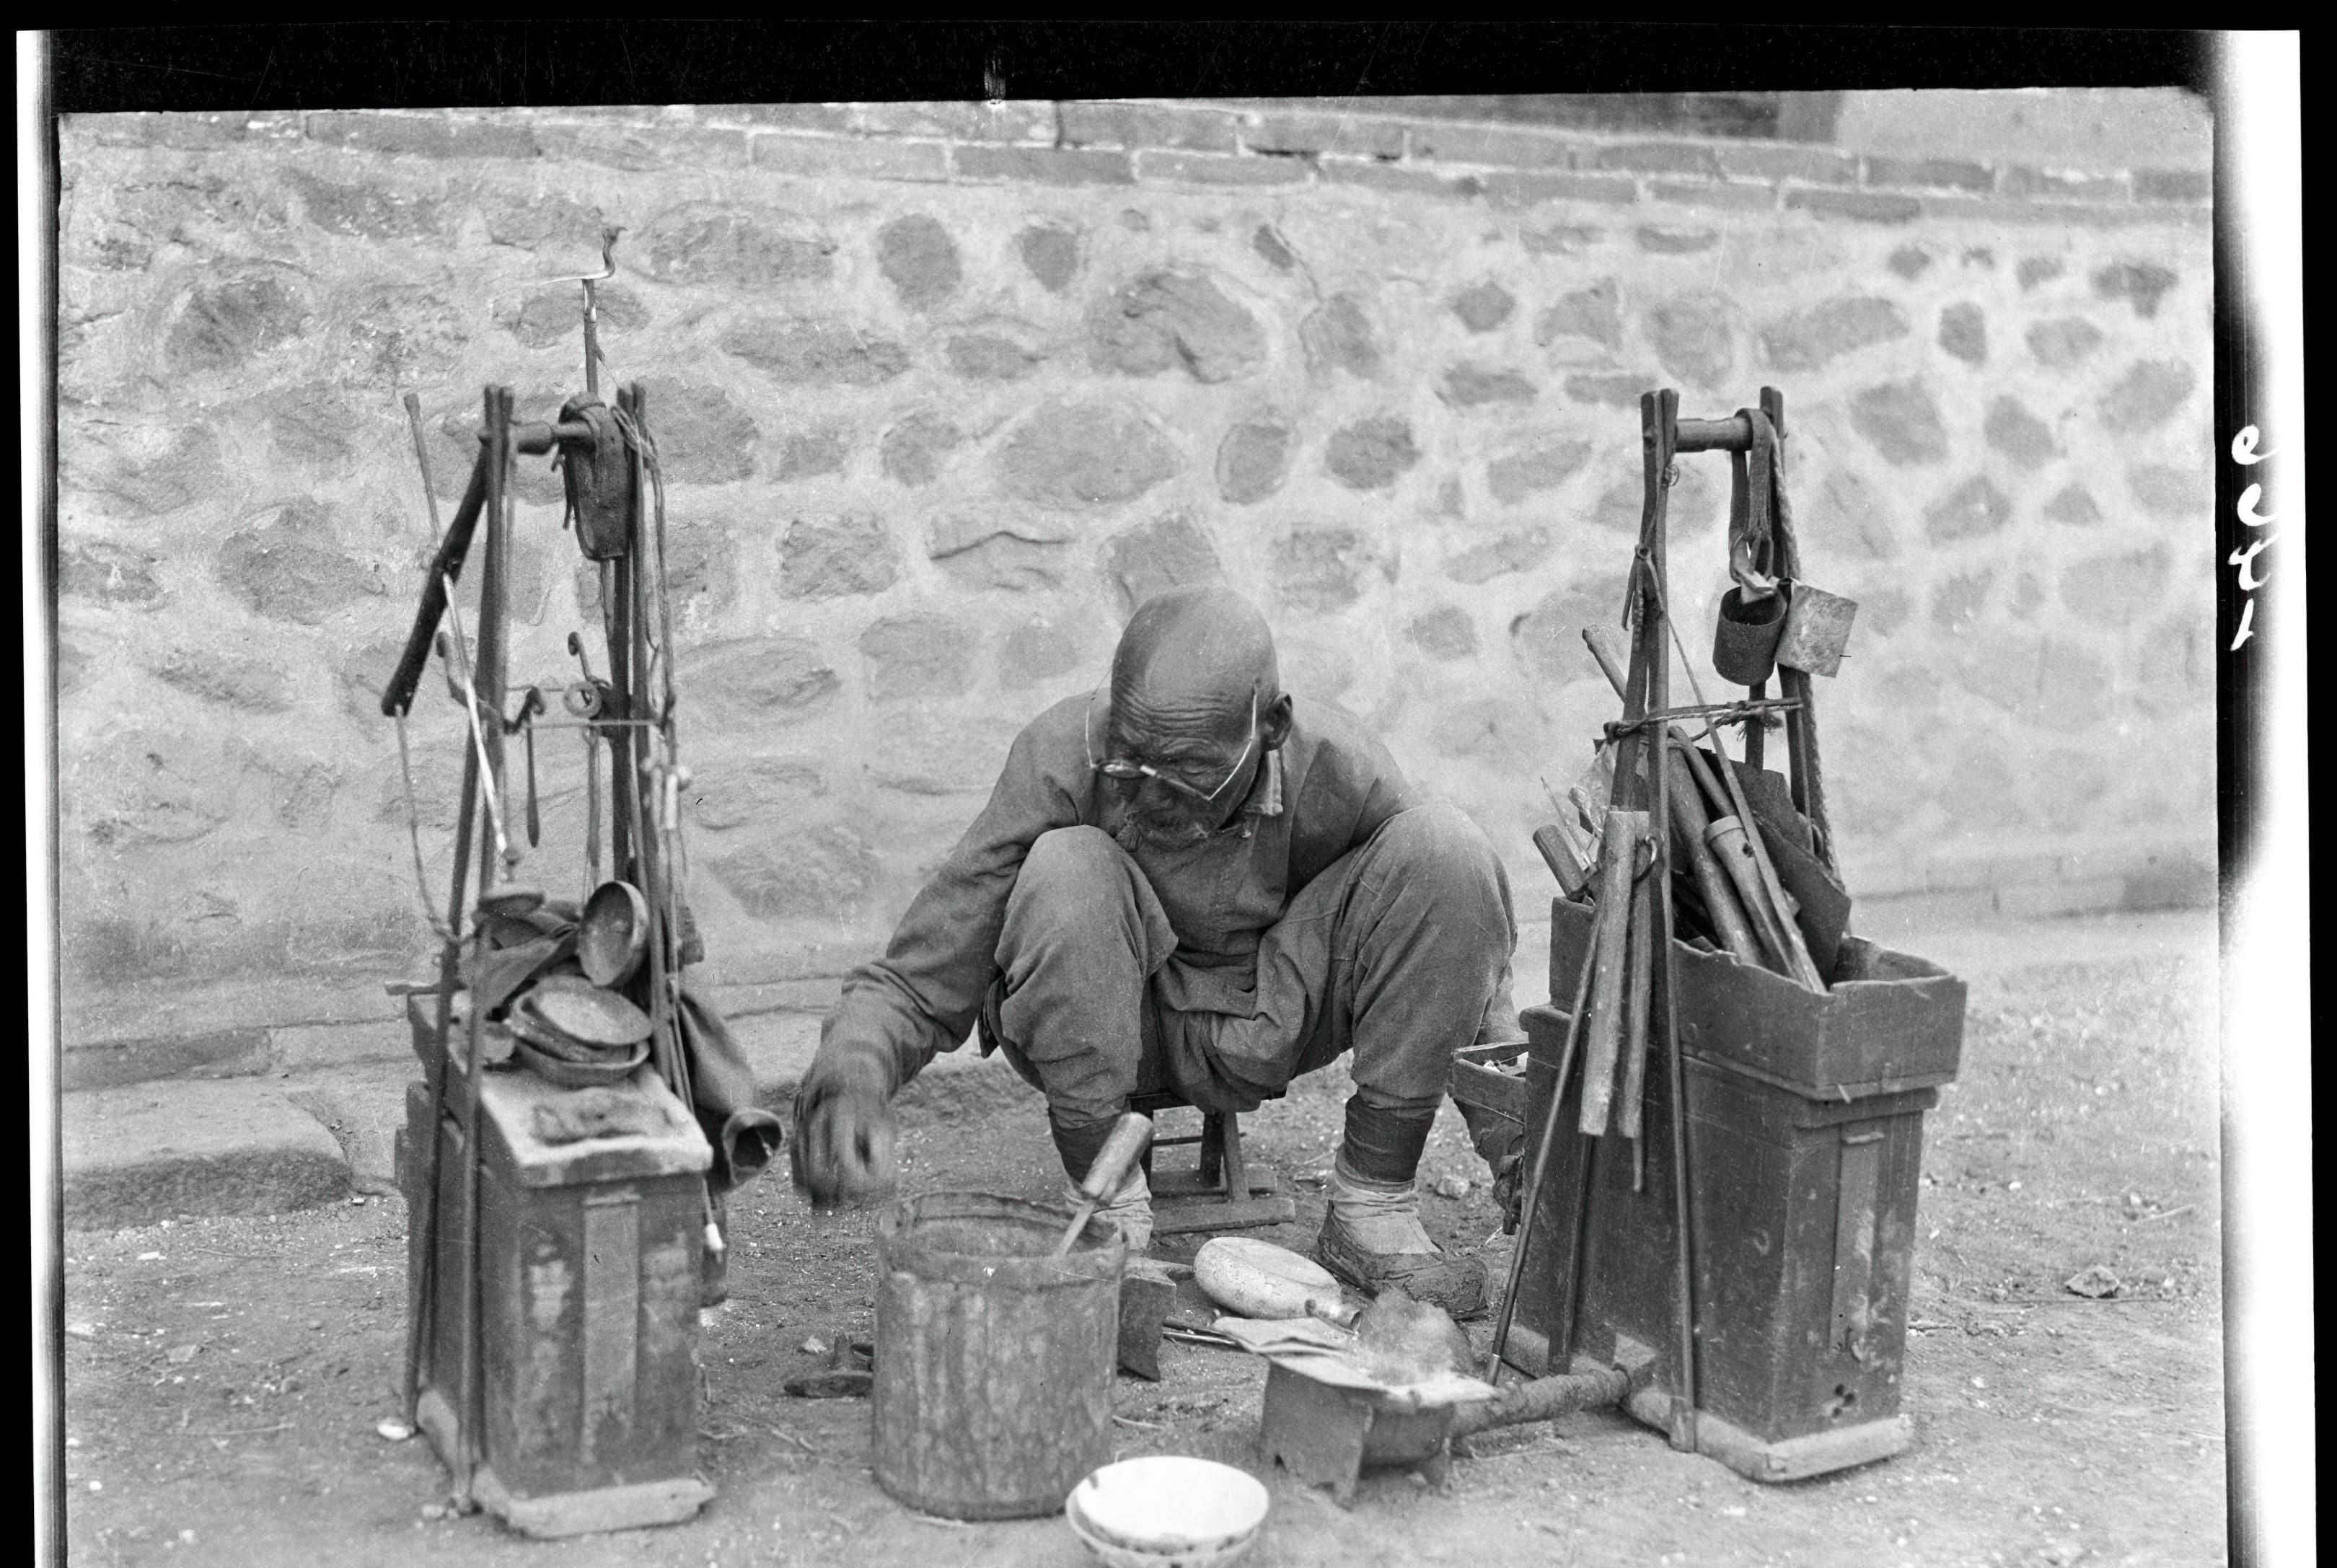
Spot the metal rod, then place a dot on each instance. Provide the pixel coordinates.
(470, 1449)
(1659, 681)
(422, 1291)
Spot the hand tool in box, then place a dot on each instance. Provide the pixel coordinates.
(1120, 1150)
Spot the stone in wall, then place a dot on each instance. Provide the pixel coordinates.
(1692, 338)
(1810, 339)
(1338, 335)
(1484, 306)
(1073, 455)
(396, 335)
(703, 437)
(919, 259)
(1659, 239)
(2063, 342)
(2169, 492)
(1169, 551)
(529, 219)
(2147, 396)
(371, 209)
(1963, 332)
(1445, 633)
(2075, 506)
(1270, 245)
(812, 872)
(1165, 319)
(1371, 453)
(1037, 650)
(141, 472)
(147, 786)
(1318, 571)
(1910, 261)
(549, 315)
(308, 422)
(1254, 458)
(2141, 284)
(1620, 390)
(2109, 589)
(1902, 422)
(1520, 550)
(1051, 253)
(1022, 554)
(224, 324)
(1472, 386)
(254, 685)
(835, 556)
(808, 453)
(763, 792)
(914, 451)
(2035, 270)
(1008, 353)
(940, 753)
(720, 245)
(292, 568)
(920, 654)
(751, 681)
(1547, 641)
(2010, 428)
(1544, 464)
(1593, 315)
(798, 351)
(1958, 601)
(1973, 510)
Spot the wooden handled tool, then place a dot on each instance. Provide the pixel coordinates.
(1558, 854)
(1129, 1136)
(1618, 850)
(1689, 819)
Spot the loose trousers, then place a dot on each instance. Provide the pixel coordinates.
(1398, 951)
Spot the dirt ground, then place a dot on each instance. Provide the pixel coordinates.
(224, 1376)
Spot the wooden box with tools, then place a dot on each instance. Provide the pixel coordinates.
(588, 1257)
(1806, 1126)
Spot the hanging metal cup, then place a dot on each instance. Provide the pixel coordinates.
(1745, 643)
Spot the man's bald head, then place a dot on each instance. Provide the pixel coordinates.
(1191, 657)
(1195, 692)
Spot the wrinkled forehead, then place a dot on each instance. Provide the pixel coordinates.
(1140, 720)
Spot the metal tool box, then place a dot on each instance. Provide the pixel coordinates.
(1806, 1123)
(589, 1256)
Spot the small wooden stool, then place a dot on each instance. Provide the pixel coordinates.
(1221, 1193)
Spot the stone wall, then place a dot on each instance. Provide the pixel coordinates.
(942, 389)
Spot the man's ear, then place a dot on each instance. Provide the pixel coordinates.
(1274, 724)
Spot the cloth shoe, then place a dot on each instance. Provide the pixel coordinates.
(1129, 1211)
(1372, 1237)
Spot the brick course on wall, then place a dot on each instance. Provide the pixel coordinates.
(941, 389)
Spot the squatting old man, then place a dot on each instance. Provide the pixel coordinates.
(1189, 880)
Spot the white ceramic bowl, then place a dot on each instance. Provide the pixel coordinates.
(1168, 1510)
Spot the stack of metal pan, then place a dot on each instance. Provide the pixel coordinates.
(570, 1031)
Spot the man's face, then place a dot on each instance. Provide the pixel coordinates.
(1213, 753)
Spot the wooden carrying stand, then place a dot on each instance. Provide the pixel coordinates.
(1765, 1252)
(552, 1318)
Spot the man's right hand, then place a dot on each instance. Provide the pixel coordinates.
(842, 1152)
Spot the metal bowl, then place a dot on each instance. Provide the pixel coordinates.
(614, 933)
(1168, 1510)
(577, 1074)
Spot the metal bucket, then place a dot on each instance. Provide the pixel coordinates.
(1745, 643)
(994, 1361)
